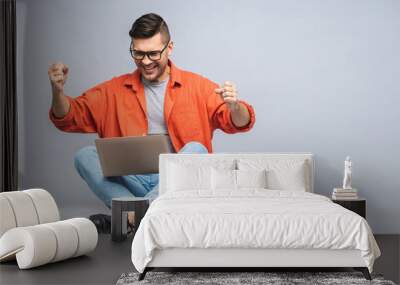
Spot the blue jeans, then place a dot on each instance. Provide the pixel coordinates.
(140, 185)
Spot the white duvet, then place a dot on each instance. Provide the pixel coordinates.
(251, 218)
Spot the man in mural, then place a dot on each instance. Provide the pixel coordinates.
(157, 98)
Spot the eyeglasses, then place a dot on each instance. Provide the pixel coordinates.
(152, 55)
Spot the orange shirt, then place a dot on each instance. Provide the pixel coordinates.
(116, 108)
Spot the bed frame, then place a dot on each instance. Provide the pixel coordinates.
(244, 259)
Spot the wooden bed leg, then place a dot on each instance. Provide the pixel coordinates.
(143, 274)
(364, 271)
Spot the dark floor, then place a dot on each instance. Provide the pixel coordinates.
(102, 266)
(110, 260)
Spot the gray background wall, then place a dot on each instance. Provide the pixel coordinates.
(323, 77)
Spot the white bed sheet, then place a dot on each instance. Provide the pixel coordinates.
(250, 218)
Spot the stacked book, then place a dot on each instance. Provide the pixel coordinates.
(344, 194)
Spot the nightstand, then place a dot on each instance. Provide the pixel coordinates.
(119, 215)
(358, 206)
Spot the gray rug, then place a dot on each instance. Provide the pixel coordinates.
(269, 278)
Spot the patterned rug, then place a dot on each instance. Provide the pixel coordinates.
(243, 278)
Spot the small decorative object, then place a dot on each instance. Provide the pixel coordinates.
(347, 192)
(347, 174)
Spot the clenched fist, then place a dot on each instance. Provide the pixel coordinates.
(228, 93)
(58, 73)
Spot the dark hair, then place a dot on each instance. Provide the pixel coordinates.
(148, 25)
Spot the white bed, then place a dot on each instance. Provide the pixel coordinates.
(203, 221)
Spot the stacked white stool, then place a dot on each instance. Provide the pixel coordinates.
(31, 230)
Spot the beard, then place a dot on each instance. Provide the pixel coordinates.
(153, 71)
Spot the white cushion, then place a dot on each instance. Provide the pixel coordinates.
(40, 244)
(7, 218)
(183, 177)
(231, 158)
(86, 229)
(186, 174)
(26, 208)
(34, 244)
(23, 208)
(31, 246)
(251, 178)
(67, 237)
(227, 179)
(223, 179)
(45, 205)
(282, 174)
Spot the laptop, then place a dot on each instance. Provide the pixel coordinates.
(132, 155)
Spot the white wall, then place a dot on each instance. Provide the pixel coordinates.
(323, 76)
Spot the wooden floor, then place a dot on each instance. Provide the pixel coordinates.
(110, 260)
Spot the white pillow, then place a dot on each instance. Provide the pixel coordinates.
(236, 179)
(223, 179)
(182, 177)
(282, 174)
(251, 178)
(187, 172)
